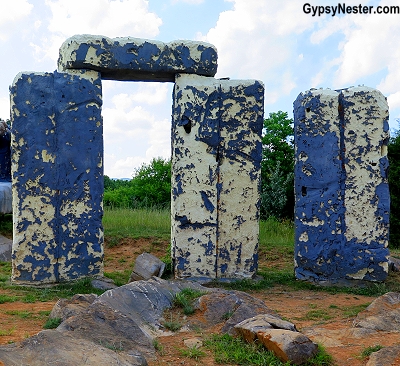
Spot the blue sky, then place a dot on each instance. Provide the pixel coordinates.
(274, 41)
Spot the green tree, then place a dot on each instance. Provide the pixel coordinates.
(150, 187)
(394, 186)
(277, 167)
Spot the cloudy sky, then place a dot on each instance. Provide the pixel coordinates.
(286, 44)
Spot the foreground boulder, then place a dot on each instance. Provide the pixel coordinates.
(119, 326)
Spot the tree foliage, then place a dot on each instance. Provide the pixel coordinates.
(394, 186)
(149, 187)
(277, 166)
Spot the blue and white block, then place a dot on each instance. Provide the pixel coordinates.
(137, 59)
(341, 187)
(216, 156)
(57, 171)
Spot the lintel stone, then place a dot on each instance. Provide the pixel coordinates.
(135, 59)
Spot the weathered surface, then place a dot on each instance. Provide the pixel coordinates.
(51, 347)
(287, 345)
(250, 327)
(216, 156)
(57, 176)
(5, 249)
(342, 193)
(382, 314)
(147, 266)
(137, 59)
(388, 356)
(65, 308)
(231, 308)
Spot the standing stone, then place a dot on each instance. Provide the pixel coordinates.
(341, 186)
(216, 156)
(57, 173)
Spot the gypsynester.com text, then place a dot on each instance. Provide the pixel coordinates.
(342, 8)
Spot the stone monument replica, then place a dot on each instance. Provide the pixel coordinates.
(57, 160)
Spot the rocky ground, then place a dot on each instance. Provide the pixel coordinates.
(324, 318)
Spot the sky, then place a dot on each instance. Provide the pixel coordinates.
(289, 45)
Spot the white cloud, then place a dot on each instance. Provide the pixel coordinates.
(193, 2)
(11, 15)
(5, 108)
(111, 18)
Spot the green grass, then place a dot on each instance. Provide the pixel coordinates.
(52, 323)
(230, 350)
(185, 298)
(192, 352)
(138, 223)
(366, 352)
(120, 278)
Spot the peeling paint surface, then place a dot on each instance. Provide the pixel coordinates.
(216, 156)
(341, 188)
(137, 59)
(57, 173)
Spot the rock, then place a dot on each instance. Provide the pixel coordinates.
(103, 283)
(147, 266)
(5, 249)
(249, 328)
(65, 308)
(135, 59)
(230, 307)
(383, 314)
(388, 356)
(193, 343)
(287, 345)
(51, 347)
(394, 264)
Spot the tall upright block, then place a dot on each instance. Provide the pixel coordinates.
(57, 171)
(216, 156)
(341, 188)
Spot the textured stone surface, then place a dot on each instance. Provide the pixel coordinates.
(57, 176)
(147, 266)
(5, 249)
(51, 347)
(287, 345)
(388, 356)
(216, 156)
(382, 314)
(65, 308)
(138, 59)
(249, 328)
(341, 187)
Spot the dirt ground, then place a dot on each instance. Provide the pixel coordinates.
(325, 318)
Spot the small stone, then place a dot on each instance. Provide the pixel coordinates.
(147, 266)
(193, 343)
(288, 346)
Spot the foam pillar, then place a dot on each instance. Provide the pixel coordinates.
(216, 156)
(341, 188)
(57, 171)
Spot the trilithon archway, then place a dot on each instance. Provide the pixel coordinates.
(58, 160)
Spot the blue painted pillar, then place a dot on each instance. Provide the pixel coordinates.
(216, 156)
(57, 171)
(341, 187)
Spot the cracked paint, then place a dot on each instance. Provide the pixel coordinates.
(216, 156)
(58, 232)
(342, 194)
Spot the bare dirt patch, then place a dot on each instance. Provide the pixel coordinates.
(325, 318)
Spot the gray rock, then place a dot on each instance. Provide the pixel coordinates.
(230, 307)
(388, 356)
(288, 346)
(137, 59)
(5, 249)
(65, 308)
(147, 266)
(383, 314)
(51, 347)
(249, 328)
(394, 264)
(103, 283)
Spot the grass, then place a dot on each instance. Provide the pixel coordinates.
(366, 352)
(230, 350)
(185, 298)
(192, 352)
(52, 323)
(138, 223)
